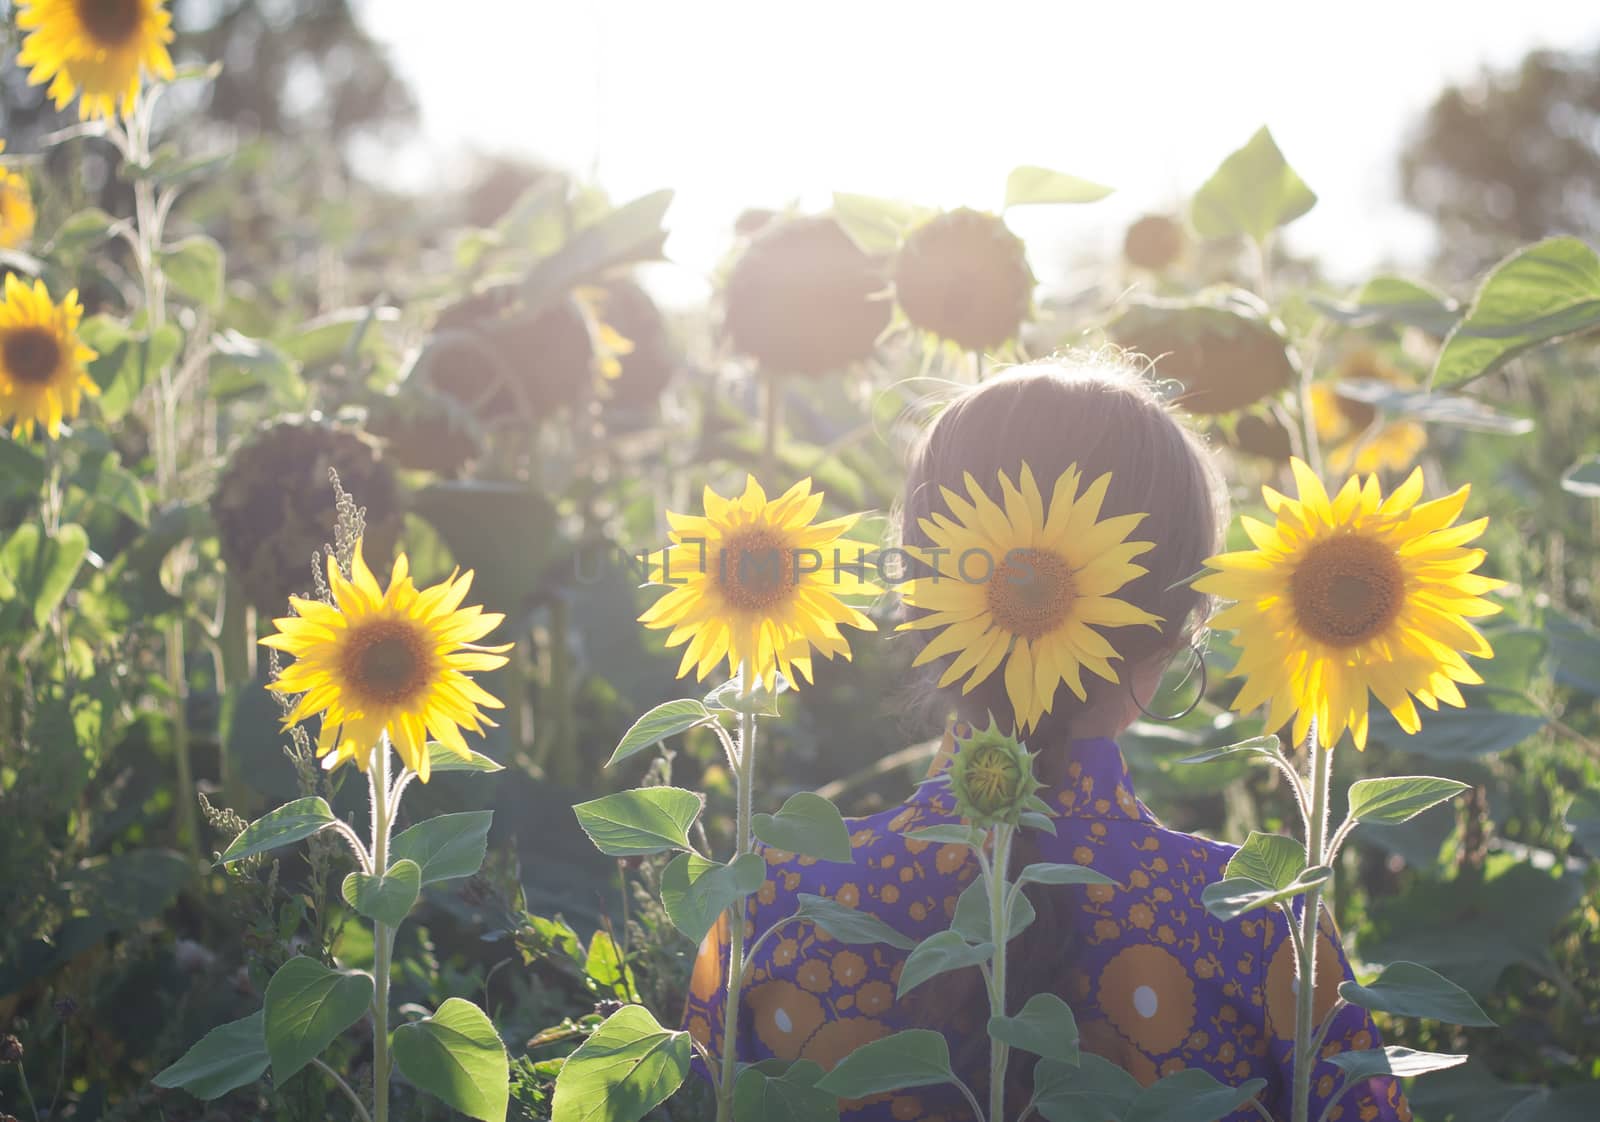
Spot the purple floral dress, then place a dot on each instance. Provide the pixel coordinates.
(1157, 985)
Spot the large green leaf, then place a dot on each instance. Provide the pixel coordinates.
(509, 534)
(1388, 299)
(1392, 1060)
(1191, 1095)
(1470, 1093)
(387, 898)
(626, 1067)
(127, 359)
(307, 1007)
(902, 1061)
(446, 847)
(1399, 798)
(642, 821)
(290, 823)
(227, 1057)
(1093, 1089)
(1041, 185)
(1045, 1027)
(807, 824)
(1233, 897)
(632, 232)
(695, 891)
(1583, 820)
(606, 965)
(668, 719)
(1409, 989)
(849, 926)
(1495, 720)
(1253, 193)
(194, 270)
(457, 1056)
(1544, 292)
(788, 1095)
(1050, 872)
(1269, 859)
(939, 954)
(876, 225)
(441, 759)
(21, 468)
(40, 568)
(1575, 645)
(971, 920)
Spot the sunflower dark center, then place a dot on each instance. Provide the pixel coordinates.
(110, 23)
(1347, 590)
(755, 569)
(1030, 592)
(387, 661)
(31, 356)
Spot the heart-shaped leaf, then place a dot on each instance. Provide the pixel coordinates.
(1027, 185)
(1253, 193)
(1045, 1027)
(1094, 1088)
(446, 847)
(457, 1056)
(849, 926)
(227, 1057)
(1191, 1095)
(1050, 872)
(387, 898)
(290, 823)
(1269, 859)
(642, 821)
(788, 1095)
(1399, 798)
(1409, 989)
(307, 1007)
(913, 1058)
(971, 920)
(695, 891)
(658, 724)
(626, 1068)
(807, 824)
(1231, 898)
(940, 954)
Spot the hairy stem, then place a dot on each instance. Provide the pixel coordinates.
(744, 777)
(999, 931)
(1304, 1007)
(382, 934)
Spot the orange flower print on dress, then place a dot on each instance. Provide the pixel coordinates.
(815, 976)
(837, 1039)
(875, 999)
(849, 969)
(1282, 984)
(785, 1016)
(1149, 997)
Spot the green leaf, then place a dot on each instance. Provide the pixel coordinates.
(1027, 185)
(902, 1061)
(1254, 192)
(226, 1058)
(659, 723)
(1271, 860)
(971, 920)
(20, 466)
(807, 824)
(849, 926)
(789, 1096)
(1493, 722)
(628, 1066)
(1093, 1089)
(1544, 292)
(1408, 989)
(1387, 299)
(194, 269)
(641, 821)
(1049, 872)
(342, 335)
(1576, 647)
(947, 833)
(1392, 1060)
(241, 364)
(940, 954)
(307, 1007)
(40, 568)
(82, 231)
(101, 475)
(1583, 478)
(1045, 1027)
(1399, 798)
(604, 964)
(696, 891)
(457, 1057)
(442, 758)
(632, 232)
(877, 226)
(1191, 1095)
(734, 697)
(1583, 820)
(127, 360)
(446, 847)
(1256, 746)
(387, 898)
(1233, 897)
(290, 823)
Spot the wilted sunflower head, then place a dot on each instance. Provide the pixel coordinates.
(501, 359)
(1261, 434)
(964, 276)
(1154, 242)
(99, 48)
(1225, 350)
(992, 778)
(805, 299)
(273, 505)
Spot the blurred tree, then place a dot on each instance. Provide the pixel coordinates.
(1509, 159)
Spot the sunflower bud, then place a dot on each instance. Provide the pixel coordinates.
(964, 276)
(1154, 242)
(1224, 349)
(992, 778)
(10, 1049)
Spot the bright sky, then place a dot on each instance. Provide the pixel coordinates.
(749, 103)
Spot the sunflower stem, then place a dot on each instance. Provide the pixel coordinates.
(744, 776)
(999, 930)
(1305, 997)
(382, 934)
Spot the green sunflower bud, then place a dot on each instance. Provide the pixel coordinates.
(992, 778)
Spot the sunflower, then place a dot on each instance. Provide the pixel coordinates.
(759, 583)
(98, 47)
(1353, 594)
(1358, 439)
(1027, 588)
(389, 661)
(16, 208)
(42, 375)
(964, 276)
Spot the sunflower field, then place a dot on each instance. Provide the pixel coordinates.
(296, 470)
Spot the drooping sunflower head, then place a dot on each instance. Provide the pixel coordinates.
(1224, 349)
(759, 584)
(804, 299)
(992, 777)
(17, 215)
(1352, 595)
(389, 662)
(43, 378)
(1022, 501)
(963, 276)
(502, 360)
(1154, 242)
(97, 50)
